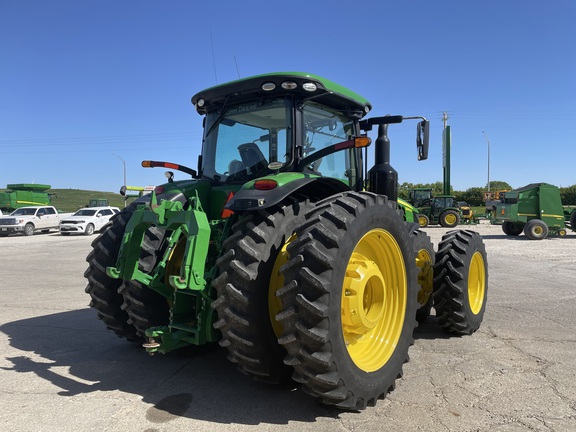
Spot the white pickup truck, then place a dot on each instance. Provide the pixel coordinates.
(28, 220)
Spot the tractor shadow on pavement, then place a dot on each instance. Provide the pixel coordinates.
(75, 353)
(430, 329)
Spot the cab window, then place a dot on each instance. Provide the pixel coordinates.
(323, 128)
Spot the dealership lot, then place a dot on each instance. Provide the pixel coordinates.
(62, 370)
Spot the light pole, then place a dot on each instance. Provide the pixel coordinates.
(488, 141)
(124, 165)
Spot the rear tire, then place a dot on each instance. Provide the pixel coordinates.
(573, 220)
(449, 218)
(144, 306)
(425, 260)
(349, 304)
(248, 279)
(103, 290)
(535, 229)
(461, 282)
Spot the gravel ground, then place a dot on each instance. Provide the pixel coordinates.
(61, 370)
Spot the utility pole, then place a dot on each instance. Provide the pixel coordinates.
(124, 165)
(488, 141)
(446, 144)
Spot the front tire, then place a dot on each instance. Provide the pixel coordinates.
(89, 230)
(348, 325)
(512, 229)
(461, 282)
(423, 220)
(29, 230)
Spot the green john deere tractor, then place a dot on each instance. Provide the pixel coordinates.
(284, 248)
(434, 210)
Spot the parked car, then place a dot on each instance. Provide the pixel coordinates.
(28, 220)
(87, 220)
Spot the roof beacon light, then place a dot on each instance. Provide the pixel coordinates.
(289, 85)
(309, 86)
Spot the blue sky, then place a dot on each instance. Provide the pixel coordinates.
(83, 81)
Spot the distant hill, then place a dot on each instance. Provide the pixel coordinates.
(69, 200)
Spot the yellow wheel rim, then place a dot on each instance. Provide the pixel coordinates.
(422, 221)
(425, 276)
(277, 282)
(537, 230)
(174, 262)
(450, 219)
(374, 299)
(476, 283)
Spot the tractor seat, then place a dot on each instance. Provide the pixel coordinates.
(235, 166)
(252, 157)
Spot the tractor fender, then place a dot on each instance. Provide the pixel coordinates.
(311, 187)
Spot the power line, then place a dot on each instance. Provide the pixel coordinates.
(128, 139)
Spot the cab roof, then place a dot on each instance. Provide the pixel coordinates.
(326, 92)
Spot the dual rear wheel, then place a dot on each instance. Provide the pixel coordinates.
(327, 293)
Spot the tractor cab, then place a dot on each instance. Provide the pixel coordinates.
(279, 123)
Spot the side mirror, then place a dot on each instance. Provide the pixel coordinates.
(423, 139)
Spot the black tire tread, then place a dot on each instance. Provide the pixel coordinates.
(145, 308)
(242, 289)
(421, 240)
(305, 302)
(102, 289)
(451, 284)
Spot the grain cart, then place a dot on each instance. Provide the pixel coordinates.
(535, 209)
(284, 248)
(24, 195)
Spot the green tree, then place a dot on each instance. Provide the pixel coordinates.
(473, 196)
(568, 195)
(499, 185)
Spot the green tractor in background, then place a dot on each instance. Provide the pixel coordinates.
(434, 210)
(284, 248)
